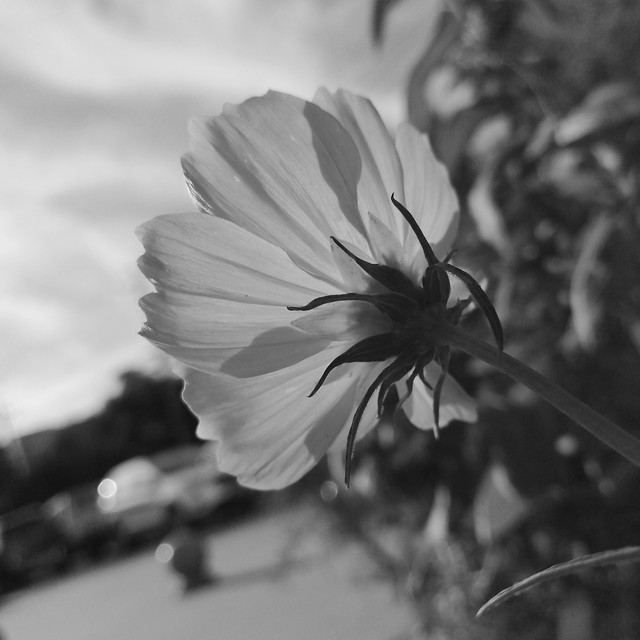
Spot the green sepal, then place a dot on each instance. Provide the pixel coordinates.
(373, 349)
(415, 227)
(389, 277)
(393, 305)
(480, 298)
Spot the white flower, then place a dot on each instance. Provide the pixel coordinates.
(275, 179)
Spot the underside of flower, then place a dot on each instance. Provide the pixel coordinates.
(273, 179)
(413, 310)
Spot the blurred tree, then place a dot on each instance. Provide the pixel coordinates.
(147, 416)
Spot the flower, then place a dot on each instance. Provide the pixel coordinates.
(291, 295)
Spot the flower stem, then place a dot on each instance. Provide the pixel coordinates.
(597, 425)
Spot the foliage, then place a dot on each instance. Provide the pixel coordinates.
(147, 415)
(535, 108)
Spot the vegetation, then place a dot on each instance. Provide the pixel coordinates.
(147, 416)
(535, 109)
(534, 106)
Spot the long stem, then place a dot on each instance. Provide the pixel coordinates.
(606, 431)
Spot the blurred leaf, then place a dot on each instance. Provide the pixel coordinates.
(583, 179)
(585, 298)
(540, 19)
(606, 108)
(436, 529)
(487, 216)
(491, 228)
(447, 93)
(445, 36)
(380, 9)
(498, 506)
(450, 138)
(622, 289)
(542, 138)
(491, 138)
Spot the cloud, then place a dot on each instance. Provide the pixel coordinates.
(96, 99)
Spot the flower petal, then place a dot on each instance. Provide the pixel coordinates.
(281, 168)
(455, 404)
(222, 336)
(385, 245)
(428, 196)
(370, 419)
(206, 256)
(347, 320)
(355, 279)
(381, 168)
(270, 433)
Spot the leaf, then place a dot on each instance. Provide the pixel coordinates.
(380, 9)
(488, 218)
(415, 227)
(584, 299)
(389, 277)
(480, 298)
(371, 349)
(608, 107)
(446, 34)
(602, 559)
(498, 506)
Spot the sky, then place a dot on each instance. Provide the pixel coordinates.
(95, 103)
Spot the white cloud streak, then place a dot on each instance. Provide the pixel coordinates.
(96, 98)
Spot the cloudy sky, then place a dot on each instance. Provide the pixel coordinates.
(95, 102)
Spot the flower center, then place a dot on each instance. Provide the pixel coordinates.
(413, 310)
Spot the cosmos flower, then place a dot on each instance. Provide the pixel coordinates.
(296, 295)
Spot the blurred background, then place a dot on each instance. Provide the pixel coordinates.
(107, 499)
